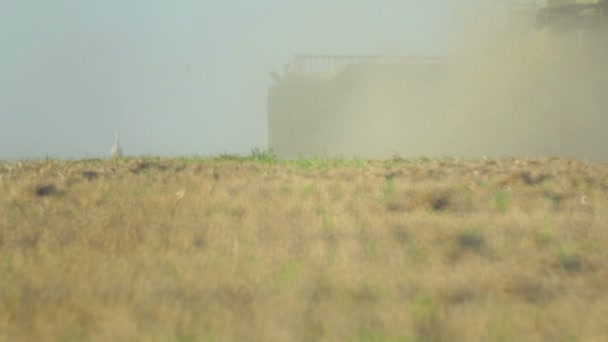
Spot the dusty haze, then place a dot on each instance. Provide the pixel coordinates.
(503, 89)
(530, 95)
(191, 78)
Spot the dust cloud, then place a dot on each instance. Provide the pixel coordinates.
(533, 94)
(501, 90)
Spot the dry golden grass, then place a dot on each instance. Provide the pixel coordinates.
(244, 249)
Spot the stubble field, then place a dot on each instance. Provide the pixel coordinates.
(341, 250)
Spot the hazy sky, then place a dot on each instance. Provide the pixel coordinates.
(177, 77)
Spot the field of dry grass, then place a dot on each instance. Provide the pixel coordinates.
(339, 250)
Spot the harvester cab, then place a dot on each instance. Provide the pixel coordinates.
(562, 16)
(575, 26)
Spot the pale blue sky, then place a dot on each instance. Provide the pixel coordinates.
(178, 77)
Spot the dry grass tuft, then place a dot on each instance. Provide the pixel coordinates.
(237, 248)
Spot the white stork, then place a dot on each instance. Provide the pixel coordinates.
(116, 151)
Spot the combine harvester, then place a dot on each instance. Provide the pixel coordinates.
(538, 90)
(589, 16)
(349, 105)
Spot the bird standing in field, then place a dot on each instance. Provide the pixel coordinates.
(116, 151)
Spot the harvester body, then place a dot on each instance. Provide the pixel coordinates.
(328, 105)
